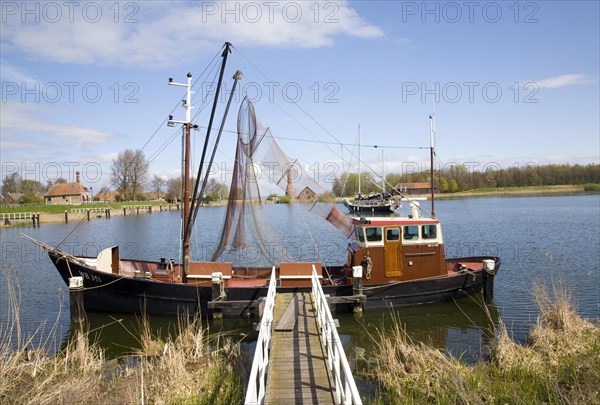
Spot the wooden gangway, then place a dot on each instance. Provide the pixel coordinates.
(299, 358)
(298, 372)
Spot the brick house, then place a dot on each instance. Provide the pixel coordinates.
(68, 193)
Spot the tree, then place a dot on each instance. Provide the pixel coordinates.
(129, 172)
(29, 197)
(50, 183)
(11, 183)
(157, 184)
(443, 185)
(32, 186)
(174, 189)
(216, 189)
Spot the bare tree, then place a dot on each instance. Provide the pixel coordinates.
(174, 189)
(129, 172)
(157, 185)
(11, 183)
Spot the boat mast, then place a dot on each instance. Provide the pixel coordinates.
(187, 104)
(382, 173)
(359, 160)
(431, 135)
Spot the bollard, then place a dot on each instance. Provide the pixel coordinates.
(357, 287)
(218, 293)
(489, 271)
(160, 207)
(149, 209)
(76, 300)
(88, 214)
(124, 211)
(66, 217)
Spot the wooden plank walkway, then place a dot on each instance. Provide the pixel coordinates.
(297, 369)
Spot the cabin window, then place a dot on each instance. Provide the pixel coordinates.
(374, 234)
(411, 232)
(392, 234)
(360, 234)
(429, 231)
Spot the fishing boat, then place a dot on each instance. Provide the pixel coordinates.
(396, 260)
(381, 203)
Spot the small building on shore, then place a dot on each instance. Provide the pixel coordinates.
(307, 195)
(11, 198)
(68, 193)
(413, 188)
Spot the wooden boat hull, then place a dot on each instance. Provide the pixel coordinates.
(108, 292)
(368, 208)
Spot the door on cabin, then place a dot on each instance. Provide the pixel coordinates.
(393, 251)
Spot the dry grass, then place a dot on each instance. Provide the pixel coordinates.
(560, 364)
(184, 369)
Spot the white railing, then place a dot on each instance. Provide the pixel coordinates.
(344, 384)
(255, 392)
(17, 215)
(85, 210)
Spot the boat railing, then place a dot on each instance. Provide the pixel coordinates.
(255, 391)
(346, 391)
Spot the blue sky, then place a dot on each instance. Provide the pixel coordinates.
(515, 83)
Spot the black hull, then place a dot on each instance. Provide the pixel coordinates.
(107, 292)
(368, 208)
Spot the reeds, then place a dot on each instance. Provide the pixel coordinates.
(560, 364)
(188, 368)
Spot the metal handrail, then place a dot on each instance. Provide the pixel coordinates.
(255, 392)
(346, 391)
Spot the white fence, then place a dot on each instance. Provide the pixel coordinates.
(12, 216)
(345, 386)
(255, 392)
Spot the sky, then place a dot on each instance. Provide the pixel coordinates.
(509, 83)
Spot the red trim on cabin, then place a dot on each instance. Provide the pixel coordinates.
(390, 223)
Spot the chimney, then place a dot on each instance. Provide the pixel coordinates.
(77, 177)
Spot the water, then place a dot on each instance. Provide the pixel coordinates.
(543, 239)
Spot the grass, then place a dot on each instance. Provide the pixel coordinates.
(560, 364)
(59, 209)
(189, 368)
(526, 189)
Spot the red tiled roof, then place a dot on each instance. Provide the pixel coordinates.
(414, 185)
(66, 189)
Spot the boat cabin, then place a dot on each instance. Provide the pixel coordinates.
(398, 248)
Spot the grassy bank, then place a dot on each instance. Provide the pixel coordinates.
(560, 364)
(179, 370)
(183, 369)
(58, 209)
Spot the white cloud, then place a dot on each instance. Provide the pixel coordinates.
(562, 81)
(23, 121)
(165, 31)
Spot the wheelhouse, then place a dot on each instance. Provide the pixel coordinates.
(398, 248)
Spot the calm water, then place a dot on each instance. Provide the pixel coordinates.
(538, 238)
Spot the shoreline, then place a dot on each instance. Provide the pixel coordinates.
(99, 212)
(527, 191)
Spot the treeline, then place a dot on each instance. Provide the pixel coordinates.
(130, 179)
(455, 178)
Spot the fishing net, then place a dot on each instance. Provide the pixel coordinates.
(260, 163)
